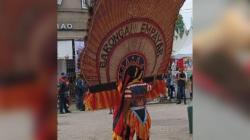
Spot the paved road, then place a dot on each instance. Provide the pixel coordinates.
(169, 122)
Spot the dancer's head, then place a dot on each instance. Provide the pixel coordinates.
(133, 73)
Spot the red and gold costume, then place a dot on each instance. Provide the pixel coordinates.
(132, 116)
(137, 117)
(124, 34)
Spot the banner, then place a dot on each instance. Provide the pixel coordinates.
(79, 45)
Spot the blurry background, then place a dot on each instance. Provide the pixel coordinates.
(221, 46)
(27, 70)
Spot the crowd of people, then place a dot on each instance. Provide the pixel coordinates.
(178, 85)
(66, 88)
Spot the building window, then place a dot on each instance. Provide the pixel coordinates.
(85, 4)
(59, 2)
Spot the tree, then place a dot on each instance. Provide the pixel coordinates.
(180, 26)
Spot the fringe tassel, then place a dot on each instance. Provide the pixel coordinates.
(159, 88)
(116, 137)
(136, 127)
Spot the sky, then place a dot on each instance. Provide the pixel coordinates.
(187, 12)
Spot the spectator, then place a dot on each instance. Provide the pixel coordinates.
(191, 81)
(170, 84)
(80, 90)
(181, 84)
(63, 88)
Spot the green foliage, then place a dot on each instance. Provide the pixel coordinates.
(180, 26)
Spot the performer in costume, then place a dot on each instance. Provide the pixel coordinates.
(124, 46)
(131, 117)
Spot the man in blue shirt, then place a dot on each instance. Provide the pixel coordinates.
(80, 89)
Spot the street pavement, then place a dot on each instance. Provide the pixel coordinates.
(169, 122)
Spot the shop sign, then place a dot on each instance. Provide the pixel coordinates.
(64, 26)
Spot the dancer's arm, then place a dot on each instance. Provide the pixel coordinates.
(127, 102)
